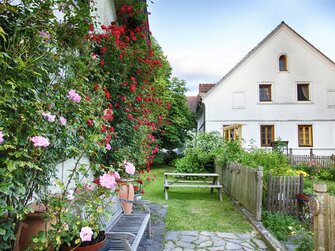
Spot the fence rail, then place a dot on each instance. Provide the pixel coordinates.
(281, 193)
(245, 185)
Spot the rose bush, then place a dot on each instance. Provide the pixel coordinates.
(68, 91)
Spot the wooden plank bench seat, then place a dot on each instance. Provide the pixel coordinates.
(125, 231)
(207, 180)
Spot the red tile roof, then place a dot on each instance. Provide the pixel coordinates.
(204, 88)
(192, 102)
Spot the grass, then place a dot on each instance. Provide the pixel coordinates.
(195, 209)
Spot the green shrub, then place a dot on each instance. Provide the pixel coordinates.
(200, 153)
(305, 240)
(280, 225)
(327, 173)
(230, 152)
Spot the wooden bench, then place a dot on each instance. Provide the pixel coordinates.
(207, 180)
(125, 231)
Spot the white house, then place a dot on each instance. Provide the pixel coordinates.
(283, 88)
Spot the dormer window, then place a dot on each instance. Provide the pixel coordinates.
(283, 63)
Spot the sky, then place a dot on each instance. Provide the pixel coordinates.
(204, 39)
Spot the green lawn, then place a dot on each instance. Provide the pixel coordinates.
(195, 208)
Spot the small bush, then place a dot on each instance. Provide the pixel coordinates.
(327, 173)
(280, 225)
(305, 240)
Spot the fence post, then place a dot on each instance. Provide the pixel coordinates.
(269, 192)
(301, 183)
(259, 176)
(318, 208)
(291, 156)
(311, 155)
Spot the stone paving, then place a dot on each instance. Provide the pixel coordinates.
(212, 241)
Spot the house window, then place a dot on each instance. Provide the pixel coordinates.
(267, 134)
(303, 92)
(305, 135)
(265, 92)
(282, 63)
(232, 132)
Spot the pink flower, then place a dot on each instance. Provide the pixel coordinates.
(108, 147)
(62, 121)
(70, 195)
(1, 137)
(40, 141)
(49, 116)
(107, 180)
(117, 175)
(86, 234)
(130, 168)
(75, 97)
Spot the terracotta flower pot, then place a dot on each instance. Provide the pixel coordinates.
(126, 192)
(100, 246)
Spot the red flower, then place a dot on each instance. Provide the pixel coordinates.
(96, 181)
(89, 122)
(140, 181)
(111, 129)
(102, 62)
(132, 78)
(130, 117)
(136, 188)
(148, 170)
(138, 99)
(142, 191)
(87, 98)
(136, 127)
(132, 88)
(103, 128)
(96, 87)
(148, 178)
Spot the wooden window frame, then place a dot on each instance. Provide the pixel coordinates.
(309, 128)
(283, 58)
(309, 91)
(269, 86)
(235, 130)
(267, 127)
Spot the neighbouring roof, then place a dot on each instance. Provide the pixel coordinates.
(192, 102)
(204, 88)
(258, 46)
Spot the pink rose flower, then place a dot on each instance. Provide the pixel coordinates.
(107, 180)
(75, 97)
(40, 141)
(62, 121)
(108, 147)
(117, 175)
(1, 137)
(130, 168)
(70, 195)
(49, 116)
(86, 234)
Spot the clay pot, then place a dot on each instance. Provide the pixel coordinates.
(100, 246)
(126, 192)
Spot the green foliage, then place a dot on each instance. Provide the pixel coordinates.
(280, 225)
(305, 240)
(230, 152)
(327, 173)
(181, 118)
(200, 153)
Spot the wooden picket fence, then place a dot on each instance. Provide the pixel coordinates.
(324, 161)
(281, 193)
(245, 185)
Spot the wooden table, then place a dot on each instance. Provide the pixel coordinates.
(207, 180)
